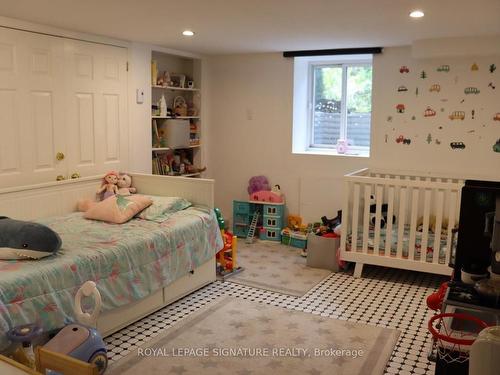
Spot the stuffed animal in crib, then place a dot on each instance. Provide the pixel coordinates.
(383, 211)
(125, 185)
(109, 186)
(26, 240)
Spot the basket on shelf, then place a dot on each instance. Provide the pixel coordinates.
(180, 106)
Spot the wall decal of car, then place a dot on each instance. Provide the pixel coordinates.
(471, 90)
(404, 69)
(457, 115)
(435, 88)
(457, 145)
(401, 139)
(443, 68)
(400, 108)
(496, 117)
(402, 89)
(429, 112)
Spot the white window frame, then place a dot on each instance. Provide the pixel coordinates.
(307, 146)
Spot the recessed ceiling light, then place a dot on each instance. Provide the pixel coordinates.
(416, 14)
(188, 33)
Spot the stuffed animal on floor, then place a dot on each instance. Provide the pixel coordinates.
(26, 240)
(125, 185)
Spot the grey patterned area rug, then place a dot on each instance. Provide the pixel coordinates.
(276, 267)
(238, 337)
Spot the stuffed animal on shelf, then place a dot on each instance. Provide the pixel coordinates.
(109, 186)
(26, 240)
(125, 185)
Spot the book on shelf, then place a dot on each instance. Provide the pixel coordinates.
(160, 166)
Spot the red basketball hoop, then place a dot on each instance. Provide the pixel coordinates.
(453, 334)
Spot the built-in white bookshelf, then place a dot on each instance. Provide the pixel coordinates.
(183, 79)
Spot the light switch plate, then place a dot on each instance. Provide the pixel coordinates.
(139, 96)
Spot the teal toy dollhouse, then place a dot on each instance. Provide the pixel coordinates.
(271, 218)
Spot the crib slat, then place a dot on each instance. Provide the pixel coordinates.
(439, 225)
(451, 224)
(379, 190)
(366, 218)
(390, 214)
(425, 230)
(345, 214)
(413, 224)
(401, 221)
(355, 218)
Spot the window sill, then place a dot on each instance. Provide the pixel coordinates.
(328, 152)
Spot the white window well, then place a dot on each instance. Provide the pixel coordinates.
(332, 105)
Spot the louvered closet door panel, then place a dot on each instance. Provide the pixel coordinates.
(96, 86)
(31, 108)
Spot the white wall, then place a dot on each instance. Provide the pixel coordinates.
(250, 100)
(478, 134)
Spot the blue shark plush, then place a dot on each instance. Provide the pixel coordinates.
(24, 239)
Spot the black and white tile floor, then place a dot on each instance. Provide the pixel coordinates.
(383, 297)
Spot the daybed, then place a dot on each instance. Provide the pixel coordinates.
(139, 266)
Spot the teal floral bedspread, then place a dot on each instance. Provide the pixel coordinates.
(128, 262)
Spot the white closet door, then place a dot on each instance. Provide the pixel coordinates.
(31, 108)
(96, 87)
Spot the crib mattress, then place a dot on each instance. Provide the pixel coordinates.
(393, 238)
(128, 262)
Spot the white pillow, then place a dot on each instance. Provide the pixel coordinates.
(163, 207)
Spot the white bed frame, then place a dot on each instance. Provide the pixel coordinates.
(409, 195)
(60, 198)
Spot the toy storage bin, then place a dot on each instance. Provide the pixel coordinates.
(322, 252)
(177, 133)
(298, 240)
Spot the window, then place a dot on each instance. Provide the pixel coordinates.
(332, 105)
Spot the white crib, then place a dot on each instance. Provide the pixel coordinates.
(411, 214)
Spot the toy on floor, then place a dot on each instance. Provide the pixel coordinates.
(22, 337)
(435, 300)
(295, 234)
(226, 257)
(26, 240)
(259, 190)
(258, 183)
(82, 340)
(109, 186)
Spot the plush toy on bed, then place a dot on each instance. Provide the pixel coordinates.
(26, 240)
(125, 185)
(109, 186)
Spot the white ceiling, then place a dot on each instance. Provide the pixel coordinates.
(241, 26)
